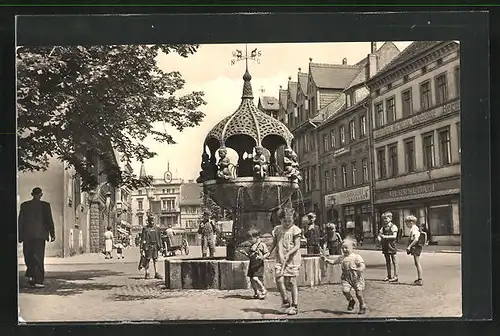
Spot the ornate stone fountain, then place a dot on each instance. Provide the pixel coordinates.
(259, 182)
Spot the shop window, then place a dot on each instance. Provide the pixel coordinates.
(441, 220)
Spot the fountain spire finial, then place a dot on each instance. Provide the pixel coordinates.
(254, 56)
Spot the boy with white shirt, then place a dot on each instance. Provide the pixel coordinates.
(415, 246)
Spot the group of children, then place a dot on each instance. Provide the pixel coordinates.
(286, 247)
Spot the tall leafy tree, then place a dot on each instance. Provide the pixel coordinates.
(77, 102)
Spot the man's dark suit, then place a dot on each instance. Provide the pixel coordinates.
(35, 227)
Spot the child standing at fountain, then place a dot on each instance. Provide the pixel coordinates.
(288, 259)
(257, 253)
(352, 277)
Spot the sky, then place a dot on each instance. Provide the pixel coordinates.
(210, 70)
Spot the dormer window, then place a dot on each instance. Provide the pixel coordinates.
(348, 100)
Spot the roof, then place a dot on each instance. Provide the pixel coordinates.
(292, 89)
(283, 97)
(384, 46)
(269, 103)
(331, 109)
(333, 76)
(359, 79)
(411, 51)
(191, 194)
(303, 78)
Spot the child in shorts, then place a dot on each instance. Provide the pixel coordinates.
(387, 237)
(416, 243)
(119, 250)
(288, 259)
(256, 253)
(352, 277)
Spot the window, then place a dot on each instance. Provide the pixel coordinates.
(364, 163)
(354, 173)
(390, 110)
(163, 204)
(348, 100)
(457, 81)
(445, 146)
(362, 125)
(342, 135)
(409, 155)
(458, 138)
(379, 115)
(140, 192)
(163, 191)
(327, 180)
(344, 176)
(325, 142)
(334, 179)
(428, 146)
(441, 89)
(382, 173)
(407, 103)
(441, 220)
(333, 142)
(312, 142)
(141, 220)
(352, 130)
(306, 143)
(313, 177)
(425, 95)
(139, 204)
(393, 160)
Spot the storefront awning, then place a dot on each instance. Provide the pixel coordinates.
(439, 193)
(122, 231)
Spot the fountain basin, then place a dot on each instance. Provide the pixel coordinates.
(219, 273)
(255, 195)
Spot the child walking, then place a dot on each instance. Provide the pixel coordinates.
(288, 259)
(256, 253)
(352, 277)
(119, 250)
(151, 245)
(416, 243)
(387, 237)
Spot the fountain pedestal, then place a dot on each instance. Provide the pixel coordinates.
(259, 220)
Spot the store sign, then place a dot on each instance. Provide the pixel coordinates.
(412, 190)
(341, 151)
(348, 196)
(417, 119)
(418, 190)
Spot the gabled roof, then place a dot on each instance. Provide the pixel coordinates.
(379, 51)
(292, 90)
(413, 50)
(333, 108)
(191, 194)
(303, 78)
(332, 76)
(360, 78)
(283, 97)
(269, 103)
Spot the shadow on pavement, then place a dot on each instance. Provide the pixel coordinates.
(328, 311)
(263, 311)
(238, 296)
(65, 283)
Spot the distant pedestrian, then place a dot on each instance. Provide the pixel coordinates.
(257, 252)
(108, 243)
(36, 226)
(333, 239)
(415, 246)
(151, 245)
(288, 259)
(352, 277)
(207, 230)
(119, 250)
(387, 237)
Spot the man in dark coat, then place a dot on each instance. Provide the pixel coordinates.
(35, 227)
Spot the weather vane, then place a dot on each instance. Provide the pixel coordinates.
(254, 56)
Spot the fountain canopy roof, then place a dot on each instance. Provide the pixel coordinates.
(249, 120)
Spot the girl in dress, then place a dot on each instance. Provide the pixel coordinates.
(352, 277)
(108, 243)
(288, 259)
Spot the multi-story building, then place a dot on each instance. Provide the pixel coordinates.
(191, 205)
(416, 137)
(344, 148)
(162, 198)
(282, 112)
(269, 105)
(124, 204)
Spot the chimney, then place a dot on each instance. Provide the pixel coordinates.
(372, 65)
(310, 59)
(373, 47)
(344, 61)
(300, 69)
(289, 78)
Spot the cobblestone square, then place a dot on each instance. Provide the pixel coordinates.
(116, 291)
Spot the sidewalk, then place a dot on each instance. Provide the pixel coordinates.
(427, 249)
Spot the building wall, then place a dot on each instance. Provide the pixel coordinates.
(190, 215)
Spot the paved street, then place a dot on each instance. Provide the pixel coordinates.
(116, 291)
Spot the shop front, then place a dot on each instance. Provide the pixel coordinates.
(351, 210)
(436, 204)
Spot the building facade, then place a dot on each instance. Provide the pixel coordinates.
(269, 105)
(416, 138)
(191, 205)
(345, 156)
